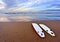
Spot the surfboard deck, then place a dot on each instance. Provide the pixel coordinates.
(38, 30)
(47, 29)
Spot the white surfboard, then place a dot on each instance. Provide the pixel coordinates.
(38, 30)
(47, 29)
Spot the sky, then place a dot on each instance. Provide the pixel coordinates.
(27, 5)
(30, 6)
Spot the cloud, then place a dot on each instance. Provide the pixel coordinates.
(2, 5)
(32, 2)
(27, 6)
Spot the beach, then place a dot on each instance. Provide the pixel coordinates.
(24, 32)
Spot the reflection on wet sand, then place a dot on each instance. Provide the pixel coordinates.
(4, 19)
(15, 18)
(28, 17)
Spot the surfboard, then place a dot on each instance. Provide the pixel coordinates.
(38, 30)
(47, 29)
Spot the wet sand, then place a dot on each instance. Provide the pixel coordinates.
(24, 32)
